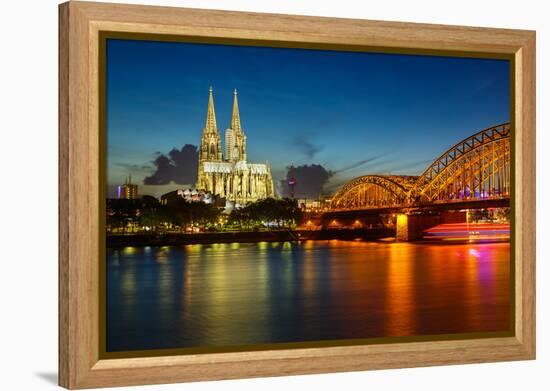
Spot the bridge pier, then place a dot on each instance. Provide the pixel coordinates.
(410, 227)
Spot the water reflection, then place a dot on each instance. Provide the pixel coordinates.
(255, 293)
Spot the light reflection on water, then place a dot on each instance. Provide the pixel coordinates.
(256, 293)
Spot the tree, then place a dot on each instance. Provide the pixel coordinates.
(183, 213)
(283, 213)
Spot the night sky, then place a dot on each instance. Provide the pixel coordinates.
(345, 114)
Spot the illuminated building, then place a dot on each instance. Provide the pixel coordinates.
(127, 191)
(230, 176)
(189, 195)
(229, 143)
(309, 205)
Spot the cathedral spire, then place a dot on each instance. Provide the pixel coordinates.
(211, 114)
(235, 117)
(211, 147)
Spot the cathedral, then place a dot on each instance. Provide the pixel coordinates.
(226, 172)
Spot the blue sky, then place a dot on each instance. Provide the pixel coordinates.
(297, 106)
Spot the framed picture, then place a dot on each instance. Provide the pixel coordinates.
(247, 195)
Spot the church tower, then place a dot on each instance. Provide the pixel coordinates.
(211, 145)
(235, 139)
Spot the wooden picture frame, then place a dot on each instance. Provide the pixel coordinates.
(80, 165)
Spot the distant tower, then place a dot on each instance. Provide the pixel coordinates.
(127, 191)
(235, 139)
(229, 143)
(291, 185)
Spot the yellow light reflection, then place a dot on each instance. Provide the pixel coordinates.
(129, 250)
(193, 248)
(400, 287)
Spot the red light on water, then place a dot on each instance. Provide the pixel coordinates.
(469, 231)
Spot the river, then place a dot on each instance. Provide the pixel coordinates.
(228, 295)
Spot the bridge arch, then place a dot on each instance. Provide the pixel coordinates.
(475, 168)
(373, 191)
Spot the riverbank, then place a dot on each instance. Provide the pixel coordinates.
(173, 239)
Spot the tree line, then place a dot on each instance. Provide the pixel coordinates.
(148, 213)
(280, 213)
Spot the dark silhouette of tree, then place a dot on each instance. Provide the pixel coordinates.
(185, 213)
(284, 213)
(149, 212)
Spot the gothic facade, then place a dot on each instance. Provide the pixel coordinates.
(228, 174)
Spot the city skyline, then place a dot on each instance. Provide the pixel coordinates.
(230, 264)
(350, 113)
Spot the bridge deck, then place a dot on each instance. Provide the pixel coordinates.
(446, 205)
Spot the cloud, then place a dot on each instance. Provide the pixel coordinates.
(306, 147)
(411, 167)
(136, 168)
(357, 164)
(310, 180)
(178, 166)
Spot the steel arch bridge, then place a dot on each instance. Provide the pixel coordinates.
(476, 168)
(374, 191)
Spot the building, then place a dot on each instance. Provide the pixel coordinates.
(230, 176)
(309, 205)
(229, 142)
(128, 190)
(189, 195)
